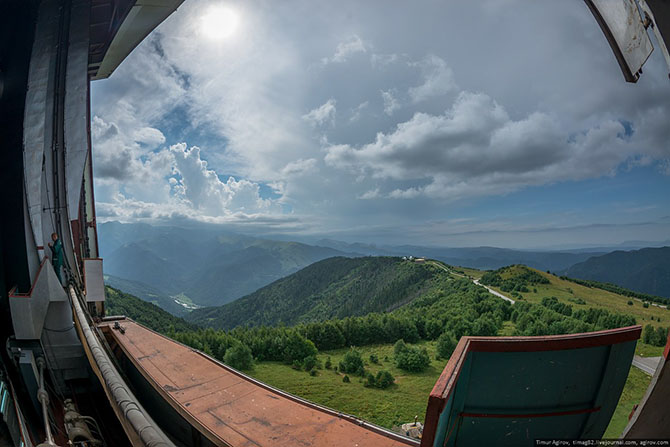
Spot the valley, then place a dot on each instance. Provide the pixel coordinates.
(298, 345)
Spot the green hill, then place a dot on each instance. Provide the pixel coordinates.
(646, 270)
(148, 314)
(209, 266)
(333, 288)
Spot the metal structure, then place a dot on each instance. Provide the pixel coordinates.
(625, 24)
(553, 387)
(54, 369)
(67, 377)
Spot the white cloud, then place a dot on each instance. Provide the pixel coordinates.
(357, 111)
(346, 49)
(475, 148)
(371, 194)
(438, 79)
(300, 167)
(149, 136)
(244, 101)
(391, 104)
(324, 114)
(201, 186)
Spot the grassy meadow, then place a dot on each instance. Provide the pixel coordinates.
(398, 404)
(405, 399)
(408, 397)
(582, 297)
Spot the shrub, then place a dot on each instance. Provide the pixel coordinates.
(352, 363)
(384, 379)
(313, 372)
(630, 302)
(310, 362)
(329, 363)
(239, 357)
(399, 347)
(410, 358)
(370, 380)
(655, 336)
(346, 379)
(446, 344)
(374, 359)
(645, 305)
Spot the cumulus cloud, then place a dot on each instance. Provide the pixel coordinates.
(324, 114)
(475, 148)
(438, 79)
(250, 104)
(149, 137)
(391, 104)
(346, 49)
(204, 190)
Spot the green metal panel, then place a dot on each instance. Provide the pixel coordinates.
(525, 390)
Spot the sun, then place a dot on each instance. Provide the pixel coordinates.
(219, 23)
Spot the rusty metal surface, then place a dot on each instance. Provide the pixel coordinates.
(232, 409)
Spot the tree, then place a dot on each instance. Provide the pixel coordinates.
(239, 357)
(661, 336)
(352, 363)
(384, 379)
(446, 344)
(310, 362)
(410, 358)
(298, 347)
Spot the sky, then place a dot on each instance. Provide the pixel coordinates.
(492, 122)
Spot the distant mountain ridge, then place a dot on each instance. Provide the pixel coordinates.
(333, 288)
(482, 258)
(646, 270)
(209, 266)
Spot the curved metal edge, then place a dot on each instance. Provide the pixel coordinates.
(136, 422)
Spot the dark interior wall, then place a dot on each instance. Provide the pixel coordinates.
(17, 26)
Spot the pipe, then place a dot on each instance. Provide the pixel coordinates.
(43, 397)
(137, 423)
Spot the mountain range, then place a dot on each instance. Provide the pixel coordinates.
(203, 266)
(646, 270)
(180, 269)
(333, 288)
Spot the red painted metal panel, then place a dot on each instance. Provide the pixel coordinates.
(230, 408)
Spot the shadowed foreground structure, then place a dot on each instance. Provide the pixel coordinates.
(514, 390)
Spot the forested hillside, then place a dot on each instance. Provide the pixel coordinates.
(384, 379)
(206, 265)
(333, 288)
(146, 293)
(148, 314)
(646, 270)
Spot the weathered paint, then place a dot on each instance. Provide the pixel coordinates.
(230, 408)
(513, 390)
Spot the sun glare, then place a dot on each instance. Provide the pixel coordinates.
(219, 23)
